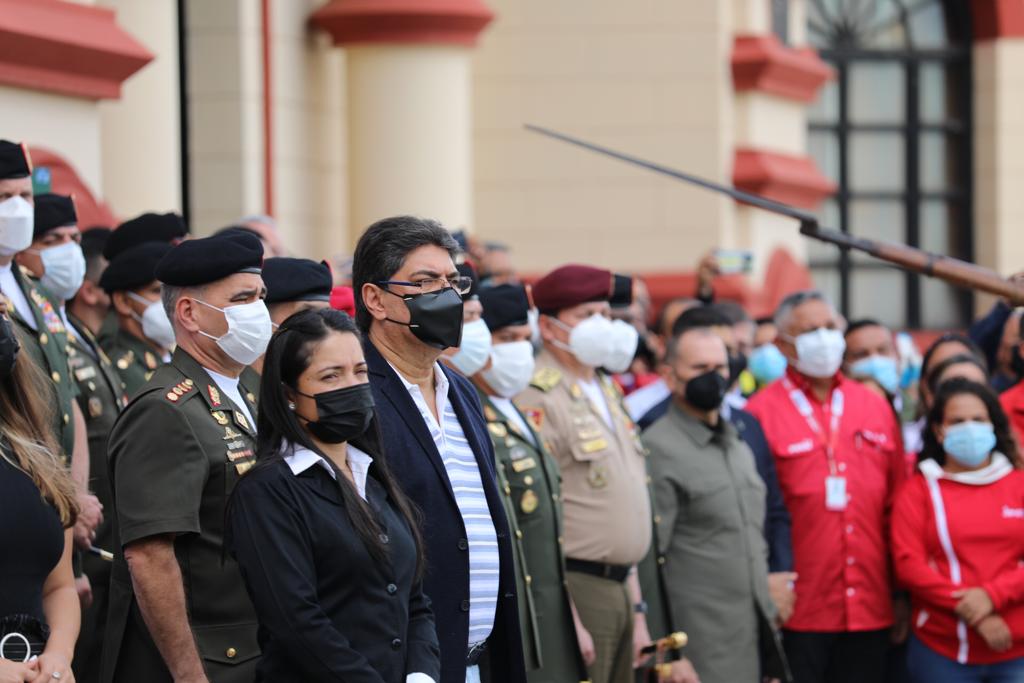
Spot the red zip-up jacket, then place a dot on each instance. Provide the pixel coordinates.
(978, 532)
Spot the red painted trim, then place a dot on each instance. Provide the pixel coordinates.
(449, 22)
(268, 110)
(66, 48)
(785, 178)
(64, 179)
(993, 19)
(764, 64)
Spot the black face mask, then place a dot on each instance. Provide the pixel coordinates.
(342, 414)
(737, 364)
(434, 318)
(9, 347)
(706, 392)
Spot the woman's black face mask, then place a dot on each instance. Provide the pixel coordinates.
(435, 318)
(342, 414)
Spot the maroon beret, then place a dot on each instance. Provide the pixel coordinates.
(571, 285)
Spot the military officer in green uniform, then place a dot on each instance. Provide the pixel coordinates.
(532, 488)
(178, 605)
(101, 396)
(42, 241)
(144, 335)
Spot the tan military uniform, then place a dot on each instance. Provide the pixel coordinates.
(607, 509)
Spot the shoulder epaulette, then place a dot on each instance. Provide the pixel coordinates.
(180, 391)
(546, 379)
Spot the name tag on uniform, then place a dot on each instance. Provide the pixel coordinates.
(835, 493)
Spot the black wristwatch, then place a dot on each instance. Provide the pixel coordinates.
(640, 607)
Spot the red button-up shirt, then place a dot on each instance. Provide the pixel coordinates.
(842, 557)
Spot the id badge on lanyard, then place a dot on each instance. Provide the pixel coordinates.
(835, 485)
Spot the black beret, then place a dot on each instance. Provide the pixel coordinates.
(505, 305)
(94, 240)
(53, 211)
(238, 230)
(622, 291)
(466, 269)
(199, 262)
(134, 267)
(14, 161)
(296, 279)
(149, 227)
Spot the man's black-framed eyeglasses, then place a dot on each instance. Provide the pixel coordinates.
(461, 284)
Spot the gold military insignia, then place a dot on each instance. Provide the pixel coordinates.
(43, 339)
(150, 361)
(490, 414)
(178, 390)
(594, 445)
(214, 395)
(92, 386)
(528, 480)
(172, 397)
(576, 392)
(597, 477)
(523, 465)
(529, 502)
(220, 417)
(148, 376)
(230, 433)
(497, 430)
(124, 361)
(240, 419)
(251, 397)
(238, 454)
(546, 379)
(243, 467)
(95, 407)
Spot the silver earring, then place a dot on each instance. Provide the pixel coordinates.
(291, 406)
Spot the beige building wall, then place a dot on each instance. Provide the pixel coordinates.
(141, 132)
(652, 79)
(225, 112)
(69, 126)
(998, 164)
(309, 157)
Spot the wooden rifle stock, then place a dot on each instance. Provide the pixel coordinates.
(954, 271)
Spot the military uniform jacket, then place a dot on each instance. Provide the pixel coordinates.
(607, 509)
(528, 476)
(176, 453)
(47, 346)
(135, 359)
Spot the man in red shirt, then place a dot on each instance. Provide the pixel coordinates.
(837, 450)
(1012, 399)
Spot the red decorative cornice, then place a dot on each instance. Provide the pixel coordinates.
(449, 22)
(764, 64)
(789, 179)
(67, 48)
(993, 19)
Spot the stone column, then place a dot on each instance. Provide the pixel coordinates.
(409, 114)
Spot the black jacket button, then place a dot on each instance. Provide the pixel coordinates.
(392, 589)
(463, 544)
(396, 644)
(384, 539)
(464, 606)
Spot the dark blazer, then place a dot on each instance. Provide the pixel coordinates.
(328, 611)
(776, 522)
(415, 462)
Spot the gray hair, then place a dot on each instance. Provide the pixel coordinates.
(791, 302)
(169, 296)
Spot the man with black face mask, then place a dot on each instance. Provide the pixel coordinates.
(409, 304)
(709, 500)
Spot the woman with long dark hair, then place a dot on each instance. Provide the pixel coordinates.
(39, 607)
(327, 543)
(958, 540)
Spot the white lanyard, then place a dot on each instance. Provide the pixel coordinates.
(803, 406)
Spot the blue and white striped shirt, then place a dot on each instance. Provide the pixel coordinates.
(464, 475)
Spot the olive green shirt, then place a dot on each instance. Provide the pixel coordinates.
(176, 453)
(135, 359)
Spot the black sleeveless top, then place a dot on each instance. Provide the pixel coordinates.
(31, 542)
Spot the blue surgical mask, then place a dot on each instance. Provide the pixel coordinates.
(767, 363)
(882, 369)
(970, 443)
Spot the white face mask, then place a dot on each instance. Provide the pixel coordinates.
(63, 269)
(511, 368)
(590, 341)
(155, 323)
(248, 334)
(17, 220)
(474, 350)
(533, 318)
(624, 341)
(820, 352)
